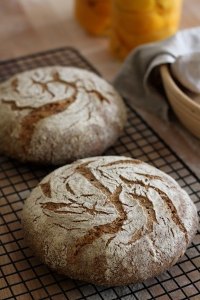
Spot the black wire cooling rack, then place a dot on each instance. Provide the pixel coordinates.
(22, 276)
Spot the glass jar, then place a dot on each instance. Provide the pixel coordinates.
(94, 15)
(135, 22)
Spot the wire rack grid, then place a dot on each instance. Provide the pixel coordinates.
(22, 276)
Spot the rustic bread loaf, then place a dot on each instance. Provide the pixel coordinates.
(58, 114)
(109, 220)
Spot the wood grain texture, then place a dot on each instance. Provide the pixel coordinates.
(31, 26)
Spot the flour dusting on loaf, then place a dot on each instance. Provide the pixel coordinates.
(58, 114)
(109, 220)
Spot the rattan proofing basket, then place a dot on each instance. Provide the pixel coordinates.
(187, 111)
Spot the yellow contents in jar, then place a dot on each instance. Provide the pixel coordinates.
(94, 15)
(136, 22)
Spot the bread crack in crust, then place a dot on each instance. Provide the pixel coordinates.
(109, 220)
(46, 189)
(29, 122)
(55, 115)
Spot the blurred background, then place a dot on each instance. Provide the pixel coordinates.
(29, 26)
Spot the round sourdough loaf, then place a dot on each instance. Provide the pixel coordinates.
(58, 114)
(109, 220)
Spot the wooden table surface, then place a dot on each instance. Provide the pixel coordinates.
(34, 25)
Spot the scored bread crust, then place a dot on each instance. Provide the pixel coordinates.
(58, 114)
(109, 220)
